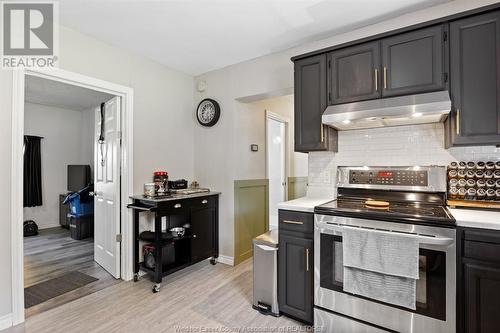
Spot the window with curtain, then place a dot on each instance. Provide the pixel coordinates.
(32, 171)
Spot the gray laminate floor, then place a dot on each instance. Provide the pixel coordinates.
(53, 254)
(201, 296)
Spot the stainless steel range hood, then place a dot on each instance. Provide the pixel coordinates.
(393, 111)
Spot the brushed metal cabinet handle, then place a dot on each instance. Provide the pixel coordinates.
(204, 201)
(322, 133)
(376, 79)
(292, 222)
(458, 121)
(177, 205)
(307, 260)
(385, 77)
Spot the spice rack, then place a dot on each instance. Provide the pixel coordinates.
(474, 184)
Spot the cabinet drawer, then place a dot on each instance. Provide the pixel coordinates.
(296, 221)
(203, 202)
(482, 251)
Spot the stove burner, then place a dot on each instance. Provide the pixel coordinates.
(404, 211)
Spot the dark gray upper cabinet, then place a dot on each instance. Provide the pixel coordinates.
(353, 73)
(475, 80)
(413, 62)
(310, 103)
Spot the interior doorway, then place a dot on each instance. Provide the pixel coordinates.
(108, 153)
(276, 160)
(71, 165)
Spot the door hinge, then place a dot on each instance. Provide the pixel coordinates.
(445, 77)
(119, 238)
(445, 36)
(329, 64)
(329, 97)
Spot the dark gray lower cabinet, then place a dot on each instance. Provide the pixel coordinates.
(202, 227)
(478, 287)
(475, 81)
(296, 266)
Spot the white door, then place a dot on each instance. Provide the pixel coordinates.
(276, 167)
(107, 188)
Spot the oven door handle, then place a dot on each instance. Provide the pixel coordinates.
(332, 229)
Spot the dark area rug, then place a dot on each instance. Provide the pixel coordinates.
(46, 290)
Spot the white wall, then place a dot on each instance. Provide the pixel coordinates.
(399, 146)
(67, 139)
(215, 150)
(163, 122)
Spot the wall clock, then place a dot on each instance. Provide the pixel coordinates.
(208, 112)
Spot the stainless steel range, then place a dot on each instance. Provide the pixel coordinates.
(416, 197)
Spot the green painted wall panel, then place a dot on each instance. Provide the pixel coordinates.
(251, 215)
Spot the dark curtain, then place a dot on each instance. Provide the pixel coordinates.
(32, 171)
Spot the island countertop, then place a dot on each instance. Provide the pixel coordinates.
(173, 197)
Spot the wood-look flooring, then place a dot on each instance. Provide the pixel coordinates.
(54, 253)
(200, 296)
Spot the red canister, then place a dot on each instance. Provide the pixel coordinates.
(160, 179)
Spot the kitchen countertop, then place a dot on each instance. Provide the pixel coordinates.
(475, 218)
(173, 197)
(304, 204)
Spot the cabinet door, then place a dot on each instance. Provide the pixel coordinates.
(202, 228)
(310, 103)
(353, 73)
(482, 298)
(295, 274)
(475, 80)
(413, 62)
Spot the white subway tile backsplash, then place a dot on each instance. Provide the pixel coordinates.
(403, 145)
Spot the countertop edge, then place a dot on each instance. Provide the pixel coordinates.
(175, 197)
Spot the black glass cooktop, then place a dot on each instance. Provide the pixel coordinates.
(397, 211)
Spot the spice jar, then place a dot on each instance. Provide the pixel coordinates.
(453, 182)
(479, 174)
(453, 166)
(462, 182)
(461, 192)
(497, 165)
(452, 174)
(490, 165)
(496, 174)
(461, 173)
(497, 194)
(480, 165)
(453, 192)
(497, 184)
(462, 165)
(481, 183)
(471, 193)
(490, 183)
(471, 165)
(471, 183)
(488, 174)
(490, 194)
(481, 193)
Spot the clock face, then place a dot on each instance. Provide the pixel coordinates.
(208, 112)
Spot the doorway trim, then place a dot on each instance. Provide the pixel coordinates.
(127, 172)
(286, 121)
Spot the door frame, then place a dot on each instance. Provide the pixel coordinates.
(127, 172)
(286, 122)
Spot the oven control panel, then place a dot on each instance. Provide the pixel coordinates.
(389, 177)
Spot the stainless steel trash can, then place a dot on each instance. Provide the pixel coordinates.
(265, 273)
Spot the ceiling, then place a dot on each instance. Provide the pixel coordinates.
(62, 95)
(196, 36)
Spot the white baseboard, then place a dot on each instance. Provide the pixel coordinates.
(6, 321)
(48, 226)
(226, 260)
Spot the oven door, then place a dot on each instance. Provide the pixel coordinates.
(435, 299)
